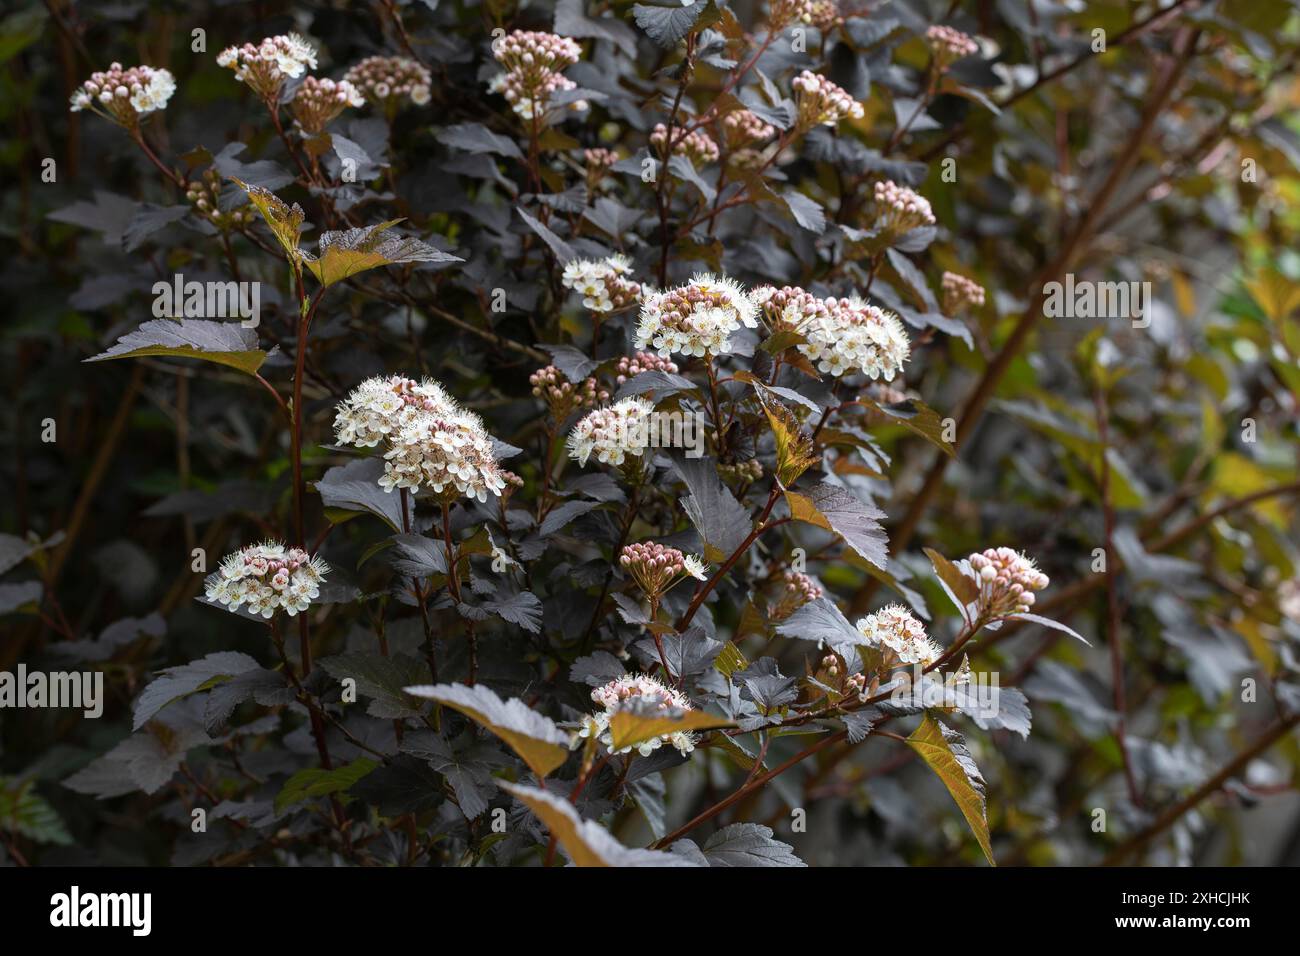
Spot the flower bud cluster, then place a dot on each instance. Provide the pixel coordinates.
(630, 366)
(797, 589)
(960, 293)
(124, 95)
(744, 128)
(948, 45)
(316, 102)
(899, 209)
(655, 568)
(533, 62)
(265, 66)
(1007, 581)
(563, 397)
(821, 102)
(390, 82)
(697, 145)
(204, 194)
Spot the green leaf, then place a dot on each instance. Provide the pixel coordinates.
(628, 728)
(586, 842)
(25, 812)
(919, 418)
(315, 782)
(961, 590)
(225, 343)
(945, 752)
(541, 744)
(794, 449)
(351, 251)
(285, 221)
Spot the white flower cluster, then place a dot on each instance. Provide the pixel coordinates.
(604, 285)
(1007, 580)
(317, 102)
(267, 577)
(959, 293)
(697, 318)
(898, 634)
(432, 442)
(642, 691)
(123, 96)
(949, 45)
(614, 432)
(533, 61)
(842, 335)
(821, 102)
(265, 66)
(899, 209)
(388, 81)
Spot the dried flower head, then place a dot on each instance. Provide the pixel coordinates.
(697, 318)
(433, 443)
(605, 285)
(1007, 580)
(960, 293)
(948, 45)
(744, 128)
(316, 103)
(265, 66)
(899, 636)
(642, 693)
(841, 335)
(123, 96)
(267, 577)
(821, 102)
(613, 433)
(696, 145)
(533, 61)
(390, 82)
(204, 194)
(899, 209)
(630, 366)
(563, 397)
(656, 568)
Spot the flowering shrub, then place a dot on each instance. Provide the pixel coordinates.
(626, 383)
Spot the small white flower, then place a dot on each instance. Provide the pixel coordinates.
(266, 577)
(695, 567)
